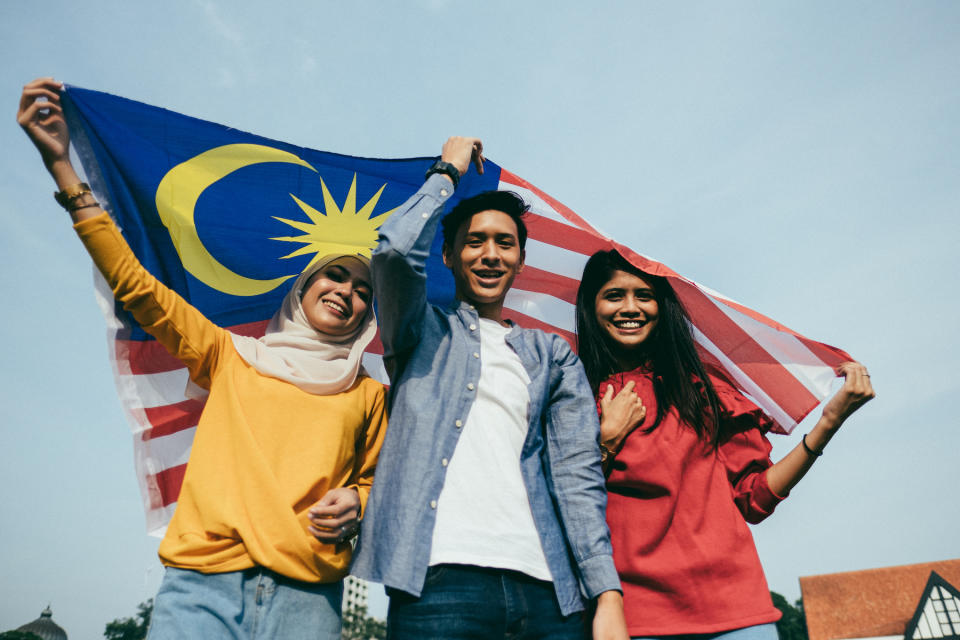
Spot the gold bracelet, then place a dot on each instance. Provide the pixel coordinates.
(605, 454)
(70, 194)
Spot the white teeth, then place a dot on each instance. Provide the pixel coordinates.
(628, 324)
(334, 305)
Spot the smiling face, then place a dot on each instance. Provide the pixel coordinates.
(336, 298)
(485, 258)
(627, 310)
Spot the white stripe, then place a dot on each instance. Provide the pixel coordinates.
(373, 363)
(793, 355)
(537, 204)
(554, 259)
(747, 385)
(543, 307)
(167, 451)
(155, 389)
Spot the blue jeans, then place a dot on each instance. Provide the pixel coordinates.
(461, 602)
(756, 632)
(255, 603)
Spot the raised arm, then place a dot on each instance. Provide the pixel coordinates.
(856, 392)
(41, 117)
(183, 330)
(399, 261)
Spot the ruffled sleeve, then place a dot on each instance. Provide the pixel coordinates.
(745, 452)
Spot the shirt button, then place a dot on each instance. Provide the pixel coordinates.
(458, 423)
(476, 355)
(444, 462)
(473, 327)
(443, 192)
(433, 504)
(470, 386)
(424, 215)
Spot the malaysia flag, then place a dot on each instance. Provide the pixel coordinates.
(227, 219)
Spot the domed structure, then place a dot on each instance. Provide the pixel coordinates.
(45, 627)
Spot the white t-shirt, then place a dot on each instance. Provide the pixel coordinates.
(483, 513)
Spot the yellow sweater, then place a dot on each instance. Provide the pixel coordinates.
(264, 451)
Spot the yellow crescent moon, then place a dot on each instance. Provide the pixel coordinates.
(177, 196)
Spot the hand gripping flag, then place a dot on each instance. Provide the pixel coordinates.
(227, 219)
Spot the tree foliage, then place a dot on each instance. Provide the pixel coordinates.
(19, 635)
(357, 625)
(131, 628)
(793, 624)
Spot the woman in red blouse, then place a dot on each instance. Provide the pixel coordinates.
(682, 484)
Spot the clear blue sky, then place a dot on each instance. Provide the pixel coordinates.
(800, 157)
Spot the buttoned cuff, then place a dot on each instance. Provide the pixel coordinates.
(438, 186)
(414, 228)
(598, 574)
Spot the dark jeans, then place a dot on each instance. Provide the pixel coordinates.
(461, 602)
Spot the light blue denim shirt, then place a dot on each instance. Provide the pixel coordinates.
(433, 357)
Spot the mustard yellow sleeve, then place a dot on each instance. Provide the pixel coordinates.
(179, 327)
(369, 444)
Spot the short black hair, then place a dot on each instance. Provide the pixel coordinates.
(507, 202)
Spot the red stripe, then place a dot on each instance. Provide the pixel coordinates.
(376, 347)
(168, 482)
(646, 264)
(761, 367)
(149, 356)
(564, 235)
(529, 322)
(171, 418)
(146, 356)
(540, 281)
(832, 356)
(559, 207)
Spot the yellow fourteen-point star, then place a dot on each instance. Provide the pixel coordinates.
(338, 230)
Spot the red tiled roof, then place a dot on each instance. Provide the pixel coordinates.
(872, 602)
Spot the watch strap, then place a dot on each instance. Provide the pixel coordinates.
(444, 167)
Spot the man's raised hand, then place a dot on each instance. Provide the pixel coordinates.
(460, 152)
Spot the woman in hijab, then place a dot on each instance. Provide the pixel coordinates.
(284, 453)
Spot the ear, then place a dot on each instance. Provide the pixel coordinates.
(446, 255)
(523, 260)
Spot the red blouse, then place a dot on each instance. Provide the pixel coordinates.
(678, 512)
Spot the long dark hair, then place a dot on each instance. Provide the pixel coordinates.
(679, 378)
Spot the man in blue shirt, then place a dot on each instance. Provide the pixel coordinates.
(486, 517)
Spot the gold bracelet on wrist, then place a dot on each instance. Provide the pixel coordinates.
(605, 454)
(67, 198)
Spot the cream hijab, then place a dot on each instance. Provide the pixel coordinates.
(294, 351)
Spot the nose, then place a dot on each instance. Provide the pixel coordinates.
(344, 290)
(489, 253)
(630, 306)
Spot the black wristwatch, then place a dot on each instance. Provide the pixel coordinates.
(444, 167)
